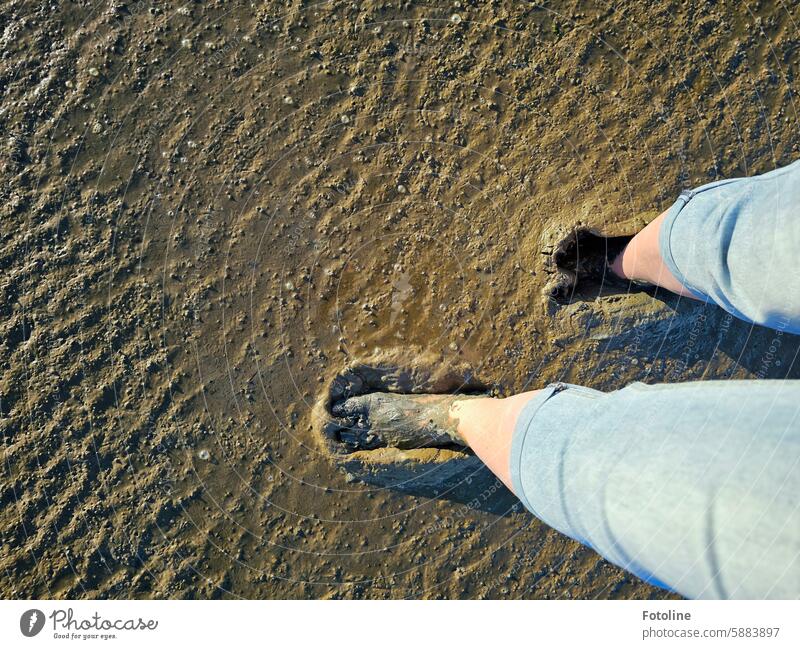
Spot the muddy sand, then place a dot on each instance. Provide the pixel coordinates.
(210, 210)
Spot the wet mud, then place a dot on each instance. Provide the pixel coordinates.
(215, 215)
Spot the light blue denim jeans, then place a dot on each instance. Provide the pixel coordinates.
(736, 244)
(691, 486)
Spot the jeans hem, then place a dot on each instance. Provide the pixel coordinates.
(521, 430)
(665, 245)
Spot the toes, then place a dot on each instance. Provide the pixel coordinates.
(353, 406)
(354, 427)
(561, 284)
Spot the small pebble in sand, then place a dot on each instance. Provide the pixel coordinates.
(288, 100)
(186, 42)
(203, 454)
(345, 119)
(94, 72)
(455, 18)
(402, 189)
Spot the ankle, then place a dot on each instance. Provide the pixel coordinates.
(617, 266)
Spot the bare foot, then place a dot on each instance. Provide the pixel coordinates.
(583, 257)
(399, 420)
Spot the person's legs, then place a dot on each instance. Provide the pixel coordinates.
(694, 485)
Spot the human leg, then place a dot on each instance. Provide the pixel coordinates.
(692, 486)
(732, 243)
(641, 260)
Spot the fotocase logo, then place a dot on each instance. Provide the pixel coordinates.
(31, 622)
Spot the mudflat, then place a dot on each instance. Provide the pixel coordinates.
(211, 210)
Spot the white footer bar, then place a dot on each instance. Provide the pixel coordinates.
(405, 624)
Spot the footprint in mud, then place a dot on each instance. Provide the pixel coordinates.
(581, 262)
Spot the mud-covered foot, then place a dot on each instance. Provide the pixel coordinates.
(584, 257)
(400, 420)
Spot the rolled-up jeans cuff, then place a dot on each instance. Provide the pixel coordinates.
(665, 245)
(526, 428)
